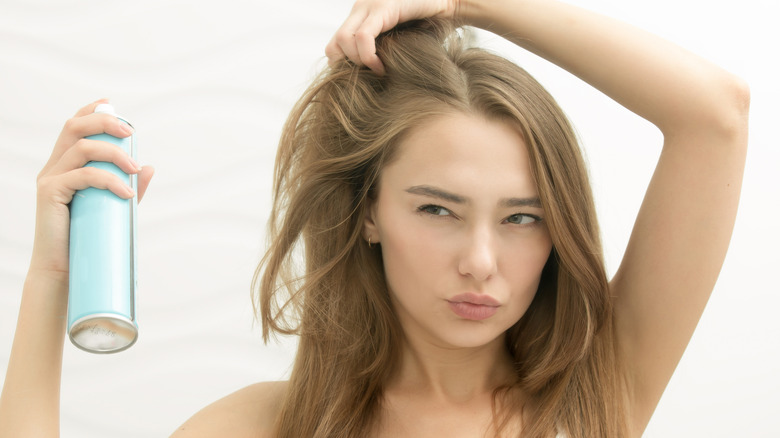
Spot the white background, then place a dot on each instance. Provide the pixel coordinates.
(208, 85)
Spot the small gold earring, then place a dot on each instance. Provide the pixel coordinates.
(369, 241)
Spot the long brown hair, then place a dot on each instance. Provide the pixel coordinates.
(320, 280)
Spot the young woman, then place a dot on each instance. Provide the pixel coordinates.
(434, 242)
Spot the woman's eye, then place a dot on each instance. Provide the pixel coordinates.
(522, 219)
(434, 210)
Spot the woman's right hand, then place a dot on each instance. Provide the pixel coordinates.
(64, 173)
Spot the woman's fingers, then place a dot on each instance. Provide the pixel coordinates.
(144, 177)
(365, 42)
(60, 188)
(79, 127)
(89, 109)
(342, 45)
(358, 46)
(86, 150)
(95, 123)
(65, 172)
(356, 38)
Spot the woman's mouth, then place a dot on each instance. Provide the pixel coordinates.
(475, 307)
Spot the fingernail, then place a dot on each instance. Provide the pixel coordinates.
(127, 129)
(135, 164)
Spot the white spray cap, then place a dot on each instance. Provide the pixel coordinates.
(105, 108)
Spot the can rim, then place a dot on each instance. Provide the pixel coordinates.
(106, 329)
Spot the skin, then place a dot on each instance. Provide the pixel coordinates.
(700, 109)
(456, 212)
(435, 248)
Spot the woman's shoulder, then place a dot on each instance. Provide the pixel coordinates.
(248, 412)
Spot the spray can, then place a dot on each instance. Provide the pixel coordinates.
(103, 260)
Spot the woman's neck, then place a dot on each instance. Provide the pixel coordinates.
(449, 374)
(439, 391)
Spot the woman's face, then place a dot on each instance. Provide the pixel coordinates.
(461, 229)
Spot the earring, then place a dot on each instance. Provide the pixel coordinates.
(369, 241)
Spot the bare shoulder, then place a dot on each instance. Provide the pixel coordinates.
(248, 412)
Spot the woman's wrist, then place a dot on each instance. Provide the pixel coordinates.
(47, 291)
(482, 13)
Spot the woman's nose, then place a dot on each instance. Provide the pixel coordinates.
(478, 258)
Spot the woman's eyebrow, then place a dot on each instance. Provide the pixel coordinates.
(521, 202)
(435, 192)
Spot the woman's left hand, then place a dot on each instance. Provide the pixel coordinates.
(356, 38)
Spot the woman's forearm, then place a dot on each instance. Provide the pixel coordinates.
(659, 81)
(29, 405)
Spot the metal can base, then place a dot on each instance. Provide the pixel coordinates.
(103, 333)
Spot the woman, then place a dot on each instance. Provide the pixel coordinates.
(453, 282)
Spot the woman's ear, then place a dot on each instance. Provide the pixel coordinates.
(370, 224)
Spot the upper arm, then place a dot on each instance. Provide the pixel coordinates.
(249, 412)
(676, 249)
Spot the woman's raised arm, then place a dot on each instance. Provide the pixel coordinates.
(30, 401)
(684, 226)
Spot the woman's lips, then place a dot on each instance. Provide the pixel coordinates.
(473, 306)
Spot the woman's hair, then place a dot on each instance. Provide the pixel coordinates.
(321, 281)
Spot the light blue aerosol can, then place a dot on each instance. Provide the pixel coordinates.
(103, 260)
